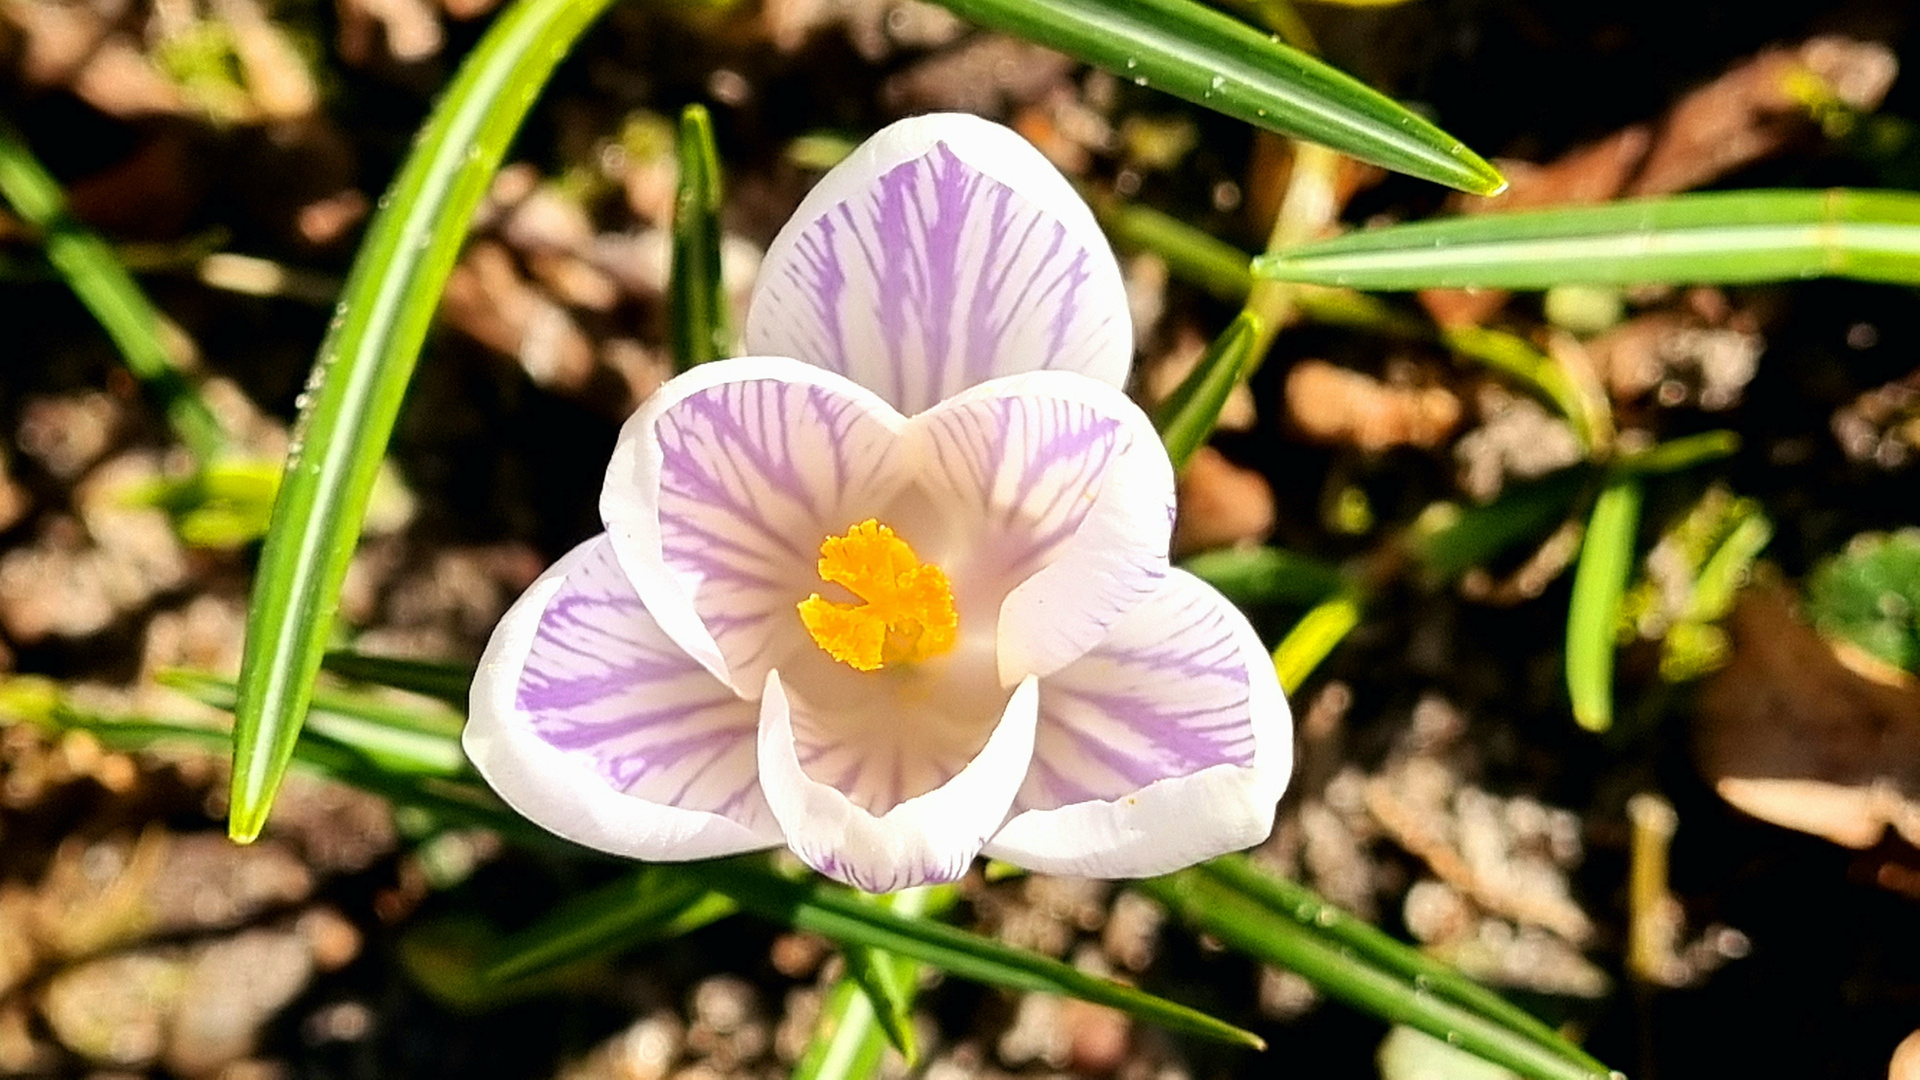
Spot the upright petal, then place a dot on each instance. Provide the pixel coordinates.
(1168, 743)
(591, 722)
(1072, 490)
(928, 837)
(944, 252)
(721, 489)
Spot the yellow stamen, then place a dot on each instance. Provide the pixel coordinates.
(907, 614)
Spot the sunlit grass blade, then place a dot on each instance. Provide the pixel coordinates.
(1474, 536)
(833, 911)
(1194, 52)
(97, 277)
(697, 294)
(395, 737)
(1294, 901)
(361, 375)
(887, 982)
(447, 682)
(1584, 405)
(1246, 926)
(1593, 617)
(1676, 455)
(637, 907)
(848, 1042)
(1254, 577)
(1315, 636)
(1189, 414)
(1717, 238)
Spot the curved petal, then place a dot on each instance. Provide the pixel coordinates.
(1067, 478)
(1167, 744)
(721, 489)
(945, 251)
(930, 837)
(588, 720)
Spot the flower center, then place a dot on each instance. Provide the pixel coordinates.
(907, 611)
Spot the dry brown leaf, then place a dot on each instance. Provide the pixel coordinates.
(1789, 734)
(1332, 404)
(1221, 504)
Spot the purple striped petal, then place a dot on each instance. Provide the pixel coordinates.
(1070, 495)
(1168, 743)
(590, 721)
(944, 252)
(864, 835)
(721, 490)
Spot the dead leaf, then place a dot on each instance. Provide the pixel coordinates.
(1221, 504)
(1789, 734)
(1332, 404)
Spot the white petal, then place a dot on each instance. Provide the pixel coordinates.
(945, 251)
(931, 837)
(592, 723)
(1070, 489)
(721, 489)
(1169, 743)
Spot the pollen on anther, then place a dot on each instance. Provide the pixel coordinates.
(905, 613)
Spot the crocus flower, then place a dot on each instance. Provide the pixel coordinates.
(895, 591)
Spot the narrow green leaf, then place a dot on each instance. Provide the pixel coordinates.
(1316, 635)
(1479, 534)
(873, 1005)
(1187, 417)
(835, 912)
(1192, 255)
(696, 288)
(1294, 901)
(605, 921)
(447, 682)
(1585, 406)
(1593, 617)
(1717, 238)
(361, 375)
(1675, 455)
(1254, 577)
(1727, 568)
(1244, 925)
(1194, 52)
(102, 283)
(395, 737)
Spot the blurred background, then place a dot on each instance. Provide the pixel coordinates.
(1722, 883)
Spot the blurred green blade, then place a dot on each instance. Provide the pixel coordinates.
(355, 390)
(98, 278)
(850, 1035)
(1675, 455)
(1194, 52)
(1721, 237)
(1244, 925)
(848, 1041)
(395, 737)
(1315, 636)
(1192, 255)
(1478, 534)
(1188, 416)
(1253, 577)
(835, 912)
(447, 682)
(1599, 583)
(696, 288)
(606, 920)
(1302, 905)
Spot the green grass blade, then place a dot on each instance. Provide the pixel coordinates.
(1187, 417)
(696, 288)
(1717, 238)
(361, 375)
(835, 912)
(100, 280)
(1599, 584)
(1585, 407)
(611, 919)
(1255, 577)
(853, 1032)
(1194, 52)
(1192, 255)
(1675, 455)
(1315, 636)
(447, 682)
(1479, 534)
(394, 737)
(1302, 905)
(1246, 926)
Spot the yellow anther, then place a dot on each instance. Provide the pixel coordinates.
(907, 614)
